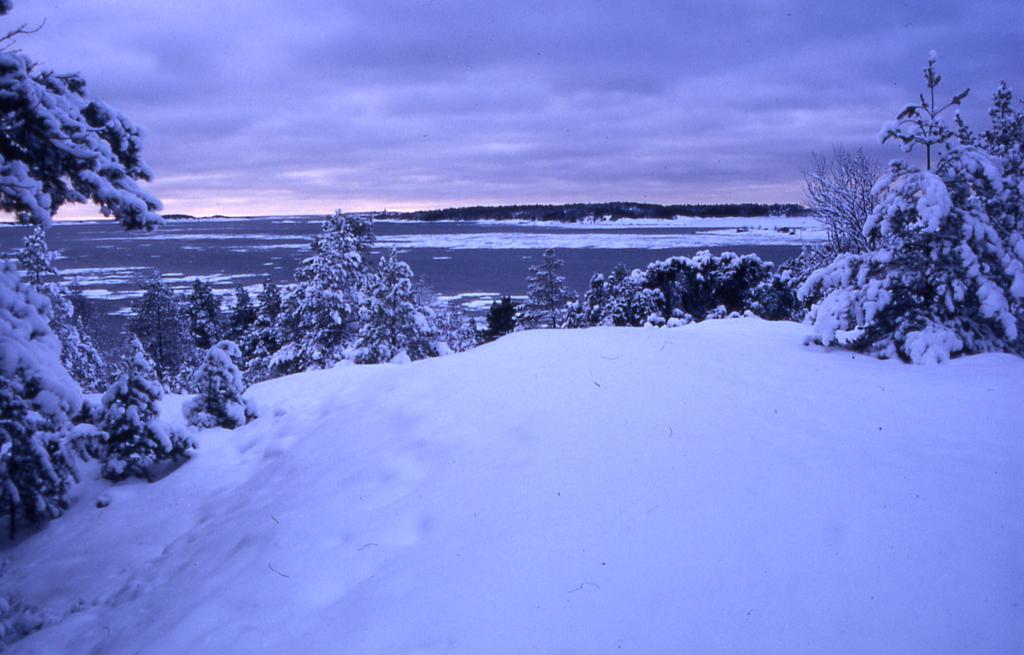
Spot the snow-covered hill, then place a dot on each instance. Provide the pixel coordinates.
(718, 488)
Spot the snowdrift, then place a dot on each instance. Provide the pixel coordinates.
(718, 488)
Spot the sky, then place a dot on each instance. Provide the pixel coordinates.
(269, 107)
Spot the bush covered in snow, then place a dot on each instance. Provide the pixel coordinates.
(137, 439)
(219, 402)
(679, 290)
(946, 274)
(18, 619)
(620, 298)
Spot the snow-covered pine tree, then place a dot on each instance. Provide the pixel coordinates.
(202, 308)
(59, 144)
(35, 259)
(264, 339)
(137, 439)
(319, 313)
(78, 352)
(160, 323)
(219, 402)
(943, 279)
(453, 328)
(37, 400)
(1005, 140)
(501, 318)
(243, 315)
(547, 294)
(394, 326)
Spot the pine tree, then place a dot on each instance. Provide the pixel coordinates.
(243, 315)
(264, 338)
(319, 314)
(547, 294)
(1005, 141)
(394, 326)
(202, 308)
(59, 144)
(454, 330)
(37, 399)
(138, 441)
(160, 323)
(591, 310)
(501, 318)
(78, 352)
(35, 259)
(944, 279)
(219, 402)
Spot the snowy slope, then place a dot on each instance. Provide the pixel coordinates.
(718, 488)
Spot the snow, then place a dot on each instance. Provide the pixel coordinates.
(734, 222)
(607, 238)
(714, 488)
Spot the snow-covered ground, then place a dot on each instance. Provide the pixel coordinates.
(718, 488)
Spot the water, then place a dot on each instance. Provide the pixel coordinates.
(473, 262)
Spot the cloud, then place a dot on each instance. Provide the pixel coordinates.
(303, 106)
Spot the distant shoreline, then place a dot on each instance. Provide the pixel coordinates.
(564, 213)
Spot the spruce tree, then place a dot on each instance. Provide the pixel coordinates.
(219, 402)
(202, 308)
(394, 325)
(137, 439)
(945, 277)
(501, 318)
(547, 294)
(160, 323)
(37, 399)
(319, 314)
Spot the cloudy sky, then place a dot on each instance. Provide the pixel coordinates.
(307, 105)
